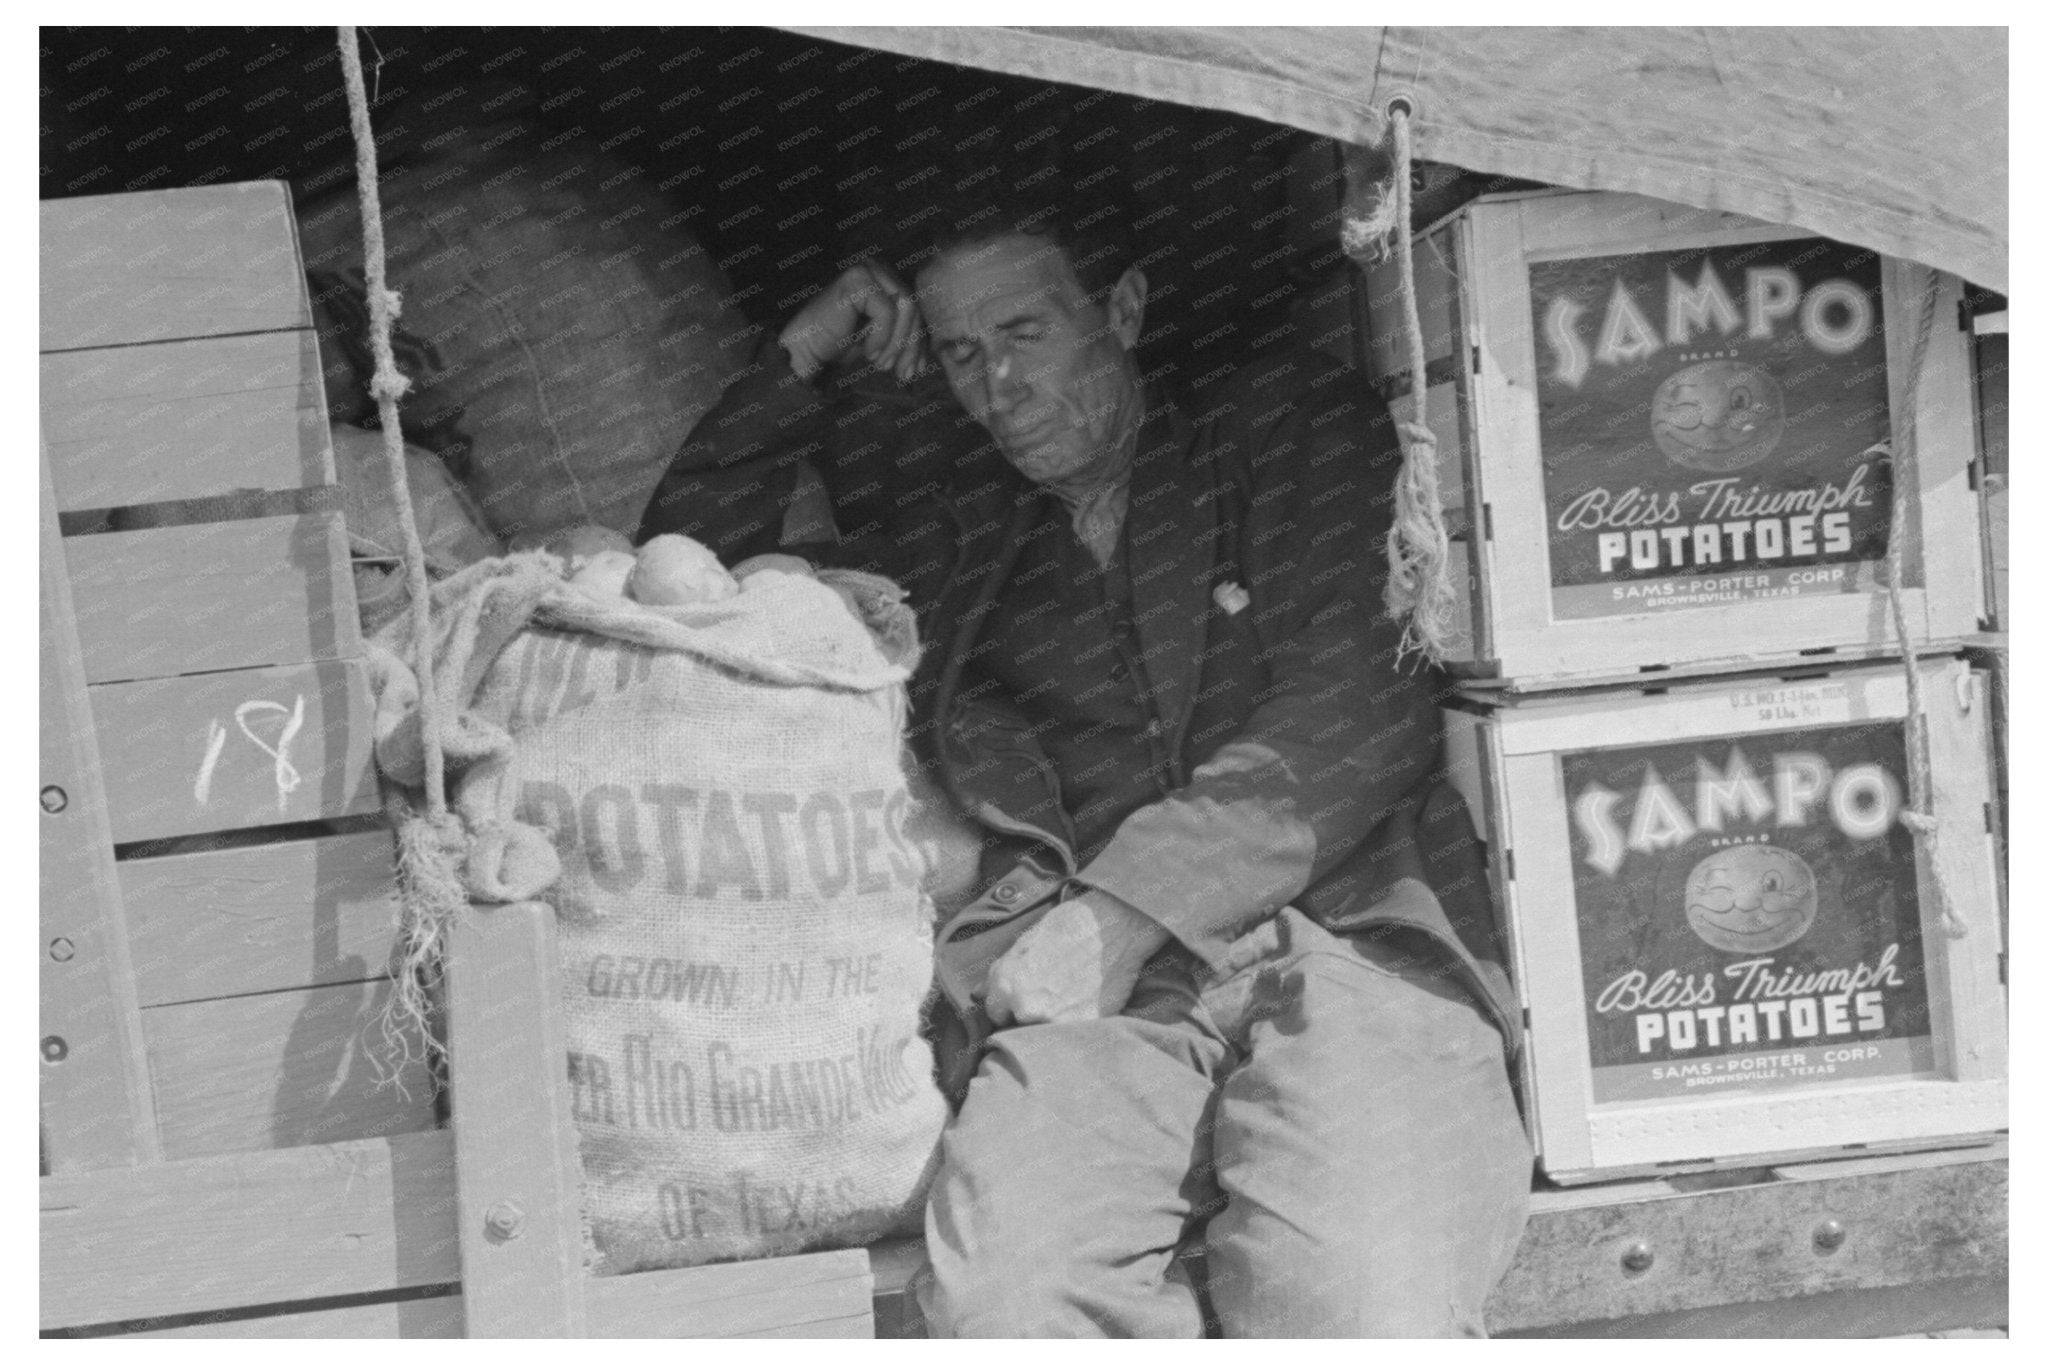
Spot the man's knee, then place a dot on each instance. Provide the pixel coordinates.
(1056, 1292)
(994, 1295)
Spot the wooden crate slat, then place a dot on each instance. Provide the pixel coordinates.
(515, 1142)
(185, 419)
(237, 921)
(197, 754)
(1846, 1166)
(854, 1327)
(1755, 1245)
(439, 1317)
(165, 264)
(277, 1070)
(252, 1228)
(740, 1298)
(228, 594)
(94, 1082)
(1918, 1309)
(1994, 440)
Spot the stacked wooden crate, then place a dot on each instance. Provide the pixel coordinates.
(1668, 443)
(220, 1154)
(217, 890)
(222, 672)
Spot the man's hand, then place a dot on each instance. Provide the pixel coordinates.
(867, 305)
(1079, 962)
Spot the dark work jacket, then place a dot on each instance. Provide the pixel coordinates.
(1306, 762)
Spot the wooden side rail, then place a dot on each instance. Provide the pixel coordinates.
(515, 1149)
(96, 1107)
(248, 1228)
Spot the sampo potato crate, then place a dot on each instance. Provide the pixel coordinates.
(1727, 943)
(1664, 438)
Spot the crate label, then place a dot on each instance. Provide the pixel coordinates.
(1713, 425)
(1748, 912)
(1775, 705)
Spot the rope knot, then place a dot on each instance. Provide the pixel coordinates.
(1364, 239)
(1416, 436)
(389, 384)
(447, 833)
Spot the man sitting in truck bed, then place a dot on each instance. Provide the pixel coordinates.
(1232, 975)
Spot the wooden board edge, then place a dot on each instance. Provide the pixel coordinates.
(521, 1203)
(364, 1217)
(771, 1296)
(87, 977)
(421, 1316)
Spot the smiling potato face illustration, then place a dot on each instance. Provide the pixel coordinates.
(1718, 415)
(1750, 898)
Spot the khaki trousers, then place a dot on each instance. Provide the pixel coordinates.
(1327, 1119)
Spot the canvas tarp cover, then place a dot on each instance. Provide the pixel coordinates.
(1892, 138)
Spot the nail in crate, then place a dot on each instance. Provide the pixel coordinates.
(1664, 437)
(1726, 940)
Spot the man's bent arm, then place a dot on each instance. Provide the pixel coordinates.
(1342, 736)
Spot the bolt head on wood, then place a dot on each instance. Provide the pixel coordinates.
(1829, 1236)
(505, 1220)
(54, 799)
(55, 1049)
(61, 949)
(1638, 1258)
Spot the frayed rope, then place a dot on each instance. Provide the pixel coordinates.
(431, 843)
(1419, 590)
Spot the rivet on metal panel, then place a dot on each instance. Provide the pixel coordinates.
(505, 1220)
(54, 799)
(1638, 1258)
(1829, 1236)
(55, 1049)
(61, 949)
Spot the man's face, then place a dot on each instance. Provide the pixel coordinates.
(1046, 372)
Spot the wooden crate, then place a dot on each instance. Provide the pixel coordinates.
(219, 910)
(218, 902)
(1587, 359)
(1725, 940)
